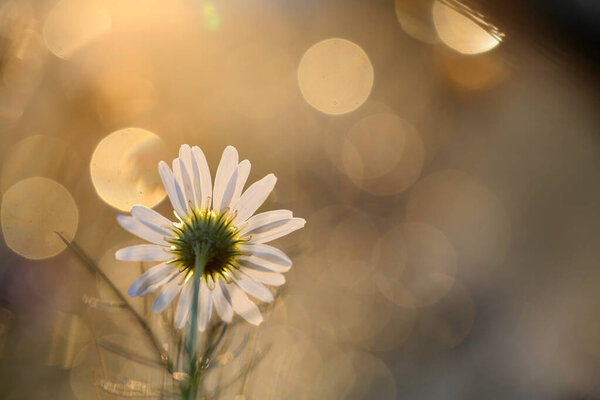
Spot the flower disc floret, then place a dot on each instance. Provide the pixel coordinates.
(215, 235)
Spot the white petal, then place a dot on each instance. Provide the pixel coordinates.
(143, 252)
(269, 278)
(267, 253)
(222, 301)
(132, 225)
(235, 185)
(227, 167)
(260, 264)
(204, 306)
(252, 287)
(152, 219)
(243, 171)
(243, 306)
(205, 179)
(184, 305)
(185, 183)
(264, 219)
(191, 166)
(173, 189)
(166, 296)
(228, 194)
(254, 197)
(152, 279)
(278, 230)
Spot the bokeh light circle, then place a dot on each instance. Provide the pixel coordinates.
(469, 214)
(23, 67)
(354, 375)
(417, 265)
(378, 142)
(397, 331)
(33, 210)
(415, 19)
(459, 32)
(358, 318)
(383, 154)
(477, 72)
(348, 250)
(292, 363)
(73, 24)
(449, 321)
(124, 168)
(335, 76)
(124, 90)
(337, 378)
(49, 161)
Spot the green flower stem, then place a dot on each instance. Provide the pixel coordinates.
(194, 380)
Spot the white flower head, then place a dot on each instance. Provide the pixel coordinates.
(219, 220)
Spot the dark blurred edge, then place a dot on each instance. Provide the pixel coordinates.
(565, 30)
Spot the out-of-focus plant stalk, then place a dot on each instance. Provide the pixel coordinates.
(145, 327)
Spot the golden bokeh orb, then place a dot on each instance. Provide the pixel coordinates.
(469, 214)
(33, 211)
(124, 168)
(476, 72)
(373, 146)
(51, 155)
(459, 32)
(415, 19)
(335, 76)
(417, 265)
(73, 24)
(383, 154)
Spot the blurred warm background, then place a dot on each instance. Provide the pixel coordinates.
(448, 173)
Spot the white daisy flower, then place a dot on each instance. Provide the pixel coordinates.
(219, 221)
